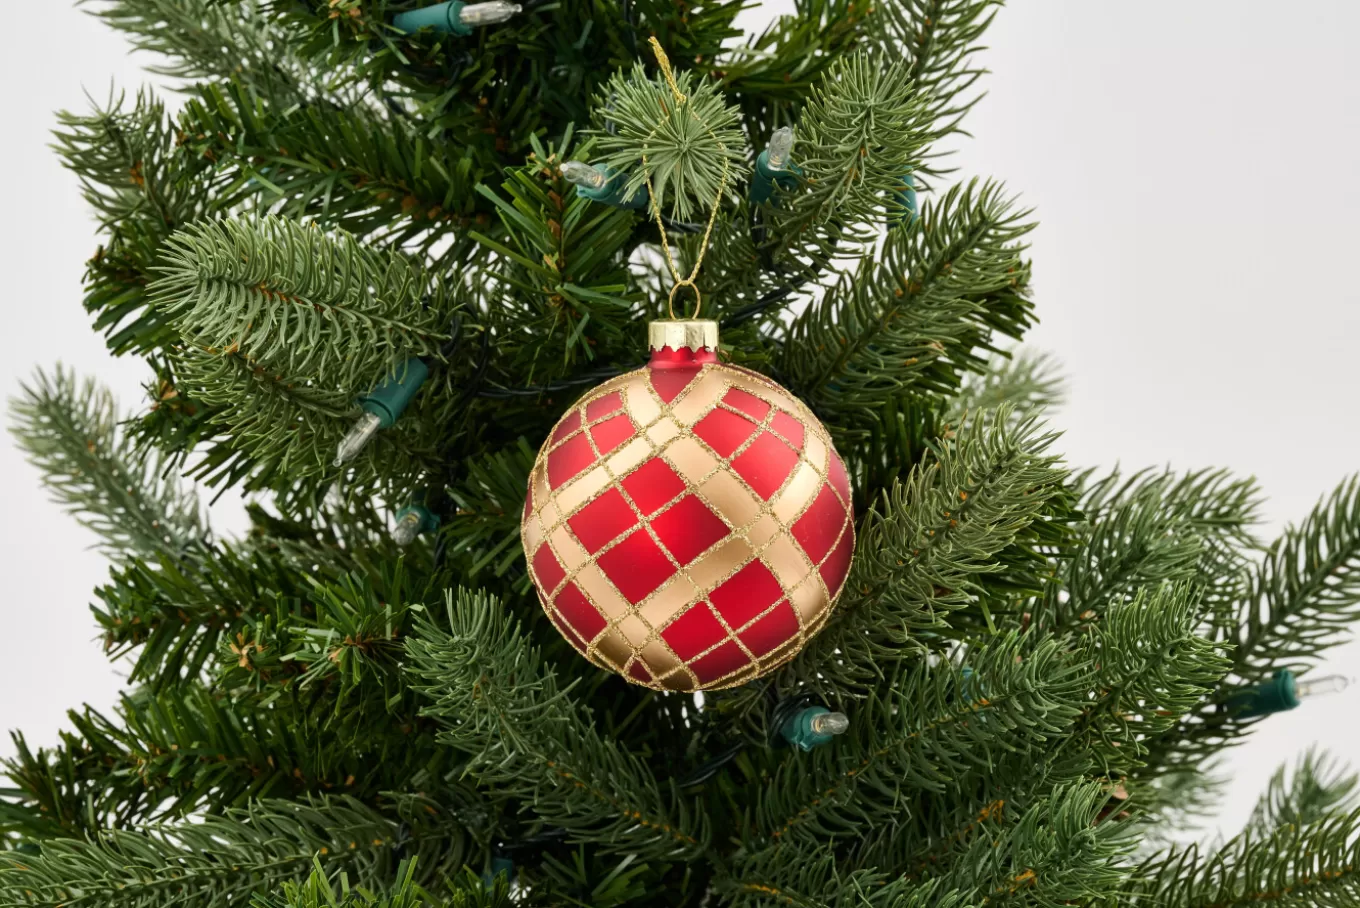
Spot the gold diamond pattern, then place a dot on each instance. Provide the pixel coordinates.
(757, 529)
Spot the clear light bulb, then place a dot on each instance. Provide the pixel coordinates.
(781, 146)
(359, 435)
(830, 724)
(407, 528)
(475, 15)
(581, 174)
(1321, 687)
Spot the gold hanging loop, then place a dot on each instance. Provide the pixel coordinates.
(664, 62)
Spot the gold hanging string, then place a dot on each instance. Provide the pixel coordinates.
(664, 62)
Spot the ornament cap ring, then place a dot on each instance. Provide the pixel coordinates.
(679, 334)
(698, 300)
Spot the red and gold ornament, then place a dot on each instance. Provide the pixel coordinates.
(688, 524)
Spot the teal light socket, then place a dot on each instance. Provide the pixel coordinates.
(797, 728)
(614, 191)
(906, 200)
(389, 399)
(1279, 694)
(766, 178)
(500, 866)
(442, 17)
(429, 520)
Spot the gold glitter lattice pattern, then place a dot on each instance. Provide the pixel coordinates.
(688, 528)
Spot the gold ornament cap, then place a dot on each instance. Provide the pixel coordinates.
(692, 333)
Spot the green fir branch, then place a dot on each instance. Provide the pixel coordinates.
(1026, 381)
(142, 185)
(68, 429)
(693, 152)
(1290, 867)
(939, 39)
(276, 292)
(221, 862)
(203, 39)
(192, 750)
(921, 732)
(319, 890)
(1058, 852)
(178, 620)
(951, 537)
(772, 75)
(774, 877)
(1153, 669)
(286, 327)
(1175, 803)
(503, 707)
(1319, 787)
(489, 506)
(912, 320)
(1152, 528)
(1305, 593)
(347, 168)
(859, 134)
(559, 271)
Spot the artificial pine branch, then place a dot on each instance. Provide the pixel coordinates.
(1305, 592)
(69, 431)
(559, 274)
(925, 730)
(486, 522)
(860, 132)
(1058, 852)
(1290, 866)
(203, 39)
(1152, 668)
(1026, 381)
(932, 546)
(1152, 528)
(940, 39)
(689, 150)
(467, 890)
(346, 167)
(187, 750)
(284, 327)
(503, 707)
(770, 878)
(275, 292)
(1318, 787)
(219, 861)
(915, 317)
(142, 185)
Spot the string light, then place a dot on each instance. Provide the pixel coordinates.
(1282, 693)
(1321, 687)
(601, 184)
(774, 167)
(813, 726)
(906, 200)
(456, 17)
(382, 407)
(413, 520)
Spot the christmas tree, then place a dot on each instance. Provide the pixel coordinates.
(389, 259)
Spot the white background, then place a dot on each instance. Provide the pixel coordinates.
(1194, 168)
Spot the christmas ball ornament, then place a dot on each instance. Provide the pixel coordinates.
(689, 524)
